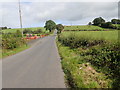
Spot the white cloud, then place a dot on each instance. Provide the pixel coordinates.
(36, 13)
(60, 0)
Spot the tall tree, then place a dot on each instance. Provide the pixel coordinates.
(50, 25)
(59, 27)
(98, 21)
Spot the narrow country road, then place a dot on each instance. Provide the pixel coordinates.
(36, 67)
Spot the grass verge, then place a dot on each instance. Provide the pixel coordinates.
(78, 72)
(5, 53)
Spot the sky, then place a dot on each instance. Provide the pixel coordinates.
(70, 12)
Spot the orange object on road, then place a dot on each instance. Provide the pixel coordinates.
(34, 37)
(31, 37)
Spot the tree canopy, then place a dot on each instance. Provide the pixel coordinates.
(98, 21)
(50, 25)
(115, 21)
(89, 23)
(59, 27)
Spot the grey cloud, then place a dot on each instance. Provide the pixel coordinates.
(62, 12)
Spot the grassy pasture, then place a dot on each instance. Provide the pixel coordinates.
(85, 27)
(14, 30)
(106, 35)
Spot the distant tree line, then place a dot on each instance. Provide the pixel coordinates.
(113, 24)
(2, 28)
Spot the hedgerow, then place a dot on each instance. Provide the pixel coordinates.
(12, 40)
(102, 54)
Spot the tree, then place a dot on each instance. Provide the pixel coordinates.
(50, 25)
(59, 27)
(115, 21)
(89, 23)
(107, 25)
(118, 21)
(98, 21)
(3, 28)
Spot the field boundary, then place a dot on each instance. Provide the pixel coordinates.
(88, 30)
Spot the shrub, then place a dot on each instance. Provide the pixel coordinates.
(11, 41)
(18, 33)
(38, 31)
(106, 25)
(75, 41)
(115, 21)
(27, 31)
(103, 54)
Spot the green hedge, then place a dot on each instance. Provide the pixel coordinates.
(12, 40)
(102, 54)
(75, 41)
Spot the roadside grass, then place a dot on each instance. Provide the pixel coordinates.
(5, 52)
(90, 58)
(85, 27)
(78, 72)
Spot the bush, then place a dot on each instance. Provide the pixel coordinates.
(107, 57)
(75, 41)
(106, 25)
(103, 54)
(115, 21)
(38, 31)
(116, 27)
(27, 31)
(18, 33)
(11, 41)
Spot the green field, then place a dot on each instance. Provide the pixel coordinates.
(107, 35)
(84, 27)
(14, 30)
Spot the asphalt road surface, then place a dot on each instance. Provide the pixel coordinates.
(36, 67)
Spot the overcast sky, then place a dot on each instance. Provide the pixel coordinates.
(34, 14)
